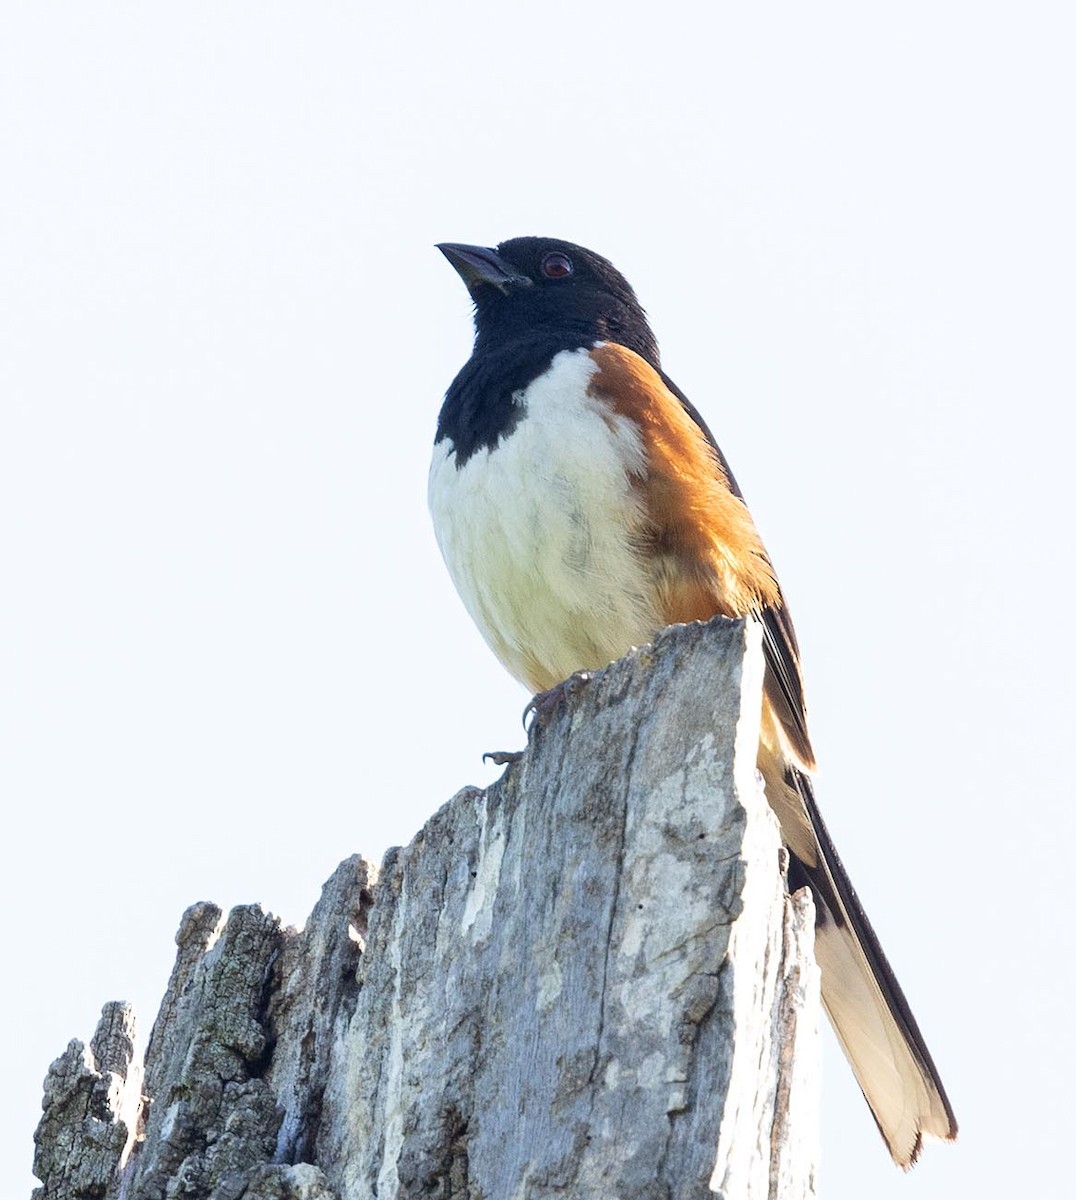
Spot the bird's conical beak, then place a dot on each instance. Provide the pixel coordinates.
(477, 265)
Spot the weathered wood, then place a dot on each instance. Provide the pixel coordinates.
(585, 981)
(92, 1103)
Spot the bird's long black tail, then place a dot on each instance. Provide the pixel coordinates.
(866, 1004)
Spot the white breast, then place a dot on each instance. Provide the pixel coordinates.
(540, 534)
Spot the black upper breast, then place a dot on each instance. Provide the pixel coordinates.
(480, 407)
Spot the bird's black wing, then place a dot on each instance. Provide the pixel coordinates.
(784, 680)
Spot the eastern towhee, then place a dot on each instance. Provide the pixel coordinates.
(581, 504)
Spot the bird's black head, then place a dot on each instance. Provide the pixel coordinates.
(544, 289)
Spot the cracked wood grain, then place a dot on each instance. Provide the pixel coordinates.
(585, 981)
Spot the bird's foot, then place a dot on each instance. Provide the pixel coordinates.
(502, 758)
(545, 704)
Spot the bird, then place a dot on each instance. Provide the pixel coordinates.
(581, 504)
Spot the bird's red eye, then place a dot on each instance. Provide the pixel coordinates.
(556, 265)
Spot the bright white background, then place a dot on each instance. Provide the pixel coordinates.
(230, 654)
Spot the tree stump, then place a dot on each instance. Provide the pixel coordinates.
(585, 981)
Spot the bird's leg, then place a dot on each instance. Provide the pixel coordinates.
(541, 708)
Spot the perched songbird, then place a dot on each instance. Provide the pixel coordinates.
(581, 504)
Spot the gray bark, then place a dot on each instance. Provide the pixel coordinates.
(585, 981)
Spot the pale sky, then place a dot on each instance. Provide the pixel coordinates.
(229, 653)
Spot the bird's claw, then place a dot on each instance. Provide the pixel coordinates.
(541, 708)
(545, 704)
(502, 758)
